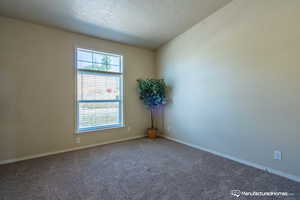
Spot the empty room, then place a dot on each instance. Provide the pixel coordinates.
(149, 100)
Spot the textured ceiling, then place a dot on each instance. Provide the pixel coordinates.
(146, 23)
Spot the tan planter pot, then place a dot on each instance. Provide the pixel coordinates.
(152, 133)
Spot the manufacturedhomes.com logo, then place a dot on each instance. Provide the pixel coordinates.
(238, 193)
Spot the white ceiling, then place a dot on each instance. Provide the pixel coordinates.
(146, 23)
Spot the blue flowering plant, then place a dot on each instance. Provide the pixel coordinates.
(153, 94)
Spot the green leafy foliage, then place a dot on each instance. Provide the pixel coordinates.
(152, 92)
(104, 66)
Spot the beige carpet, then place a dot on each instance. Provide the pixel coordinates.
(140, 169)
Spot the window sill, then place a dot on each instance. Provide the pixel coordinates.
(98, 129)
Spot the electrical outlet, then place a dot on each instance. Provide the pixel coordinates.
(277, 155)
(128, 128)
(77, 140)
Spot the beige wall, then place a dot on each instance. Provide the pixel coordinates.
(37, 87)
(235, 82)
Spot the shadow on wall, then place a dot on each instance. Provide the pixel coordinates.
(159, 114)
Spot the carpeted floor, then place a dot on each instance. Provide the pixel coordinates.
(140, 169)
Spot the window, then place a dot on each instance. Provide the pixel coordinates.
(99, 90)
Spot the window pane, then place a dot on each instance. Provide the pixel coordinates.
(84, 55)
(93, 86)
(115, 60)
(98, 114)
(84, 65)
(91, 66)
(99, 58)
(114, 64)
(113, 68)
(107, 63)
(101, 63)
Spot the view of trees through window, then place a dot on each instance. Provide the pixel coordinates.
(105, 65)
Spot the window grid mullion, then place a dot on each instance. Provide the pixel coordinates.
(99, 101)
(97, 52)
(100, 72)
(94, 62)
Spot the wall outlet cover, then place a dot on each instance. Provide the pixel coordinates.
(277, 155)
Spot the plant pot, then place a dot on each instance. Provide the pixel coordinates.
(152, 133)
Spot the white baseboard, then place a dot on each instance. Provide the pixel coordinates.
(248, 163)
(66, 150)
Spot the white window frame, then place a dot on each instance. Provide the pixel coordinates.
(107, 73)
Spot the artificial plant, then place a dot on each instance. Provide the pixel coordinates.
(153, 94)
